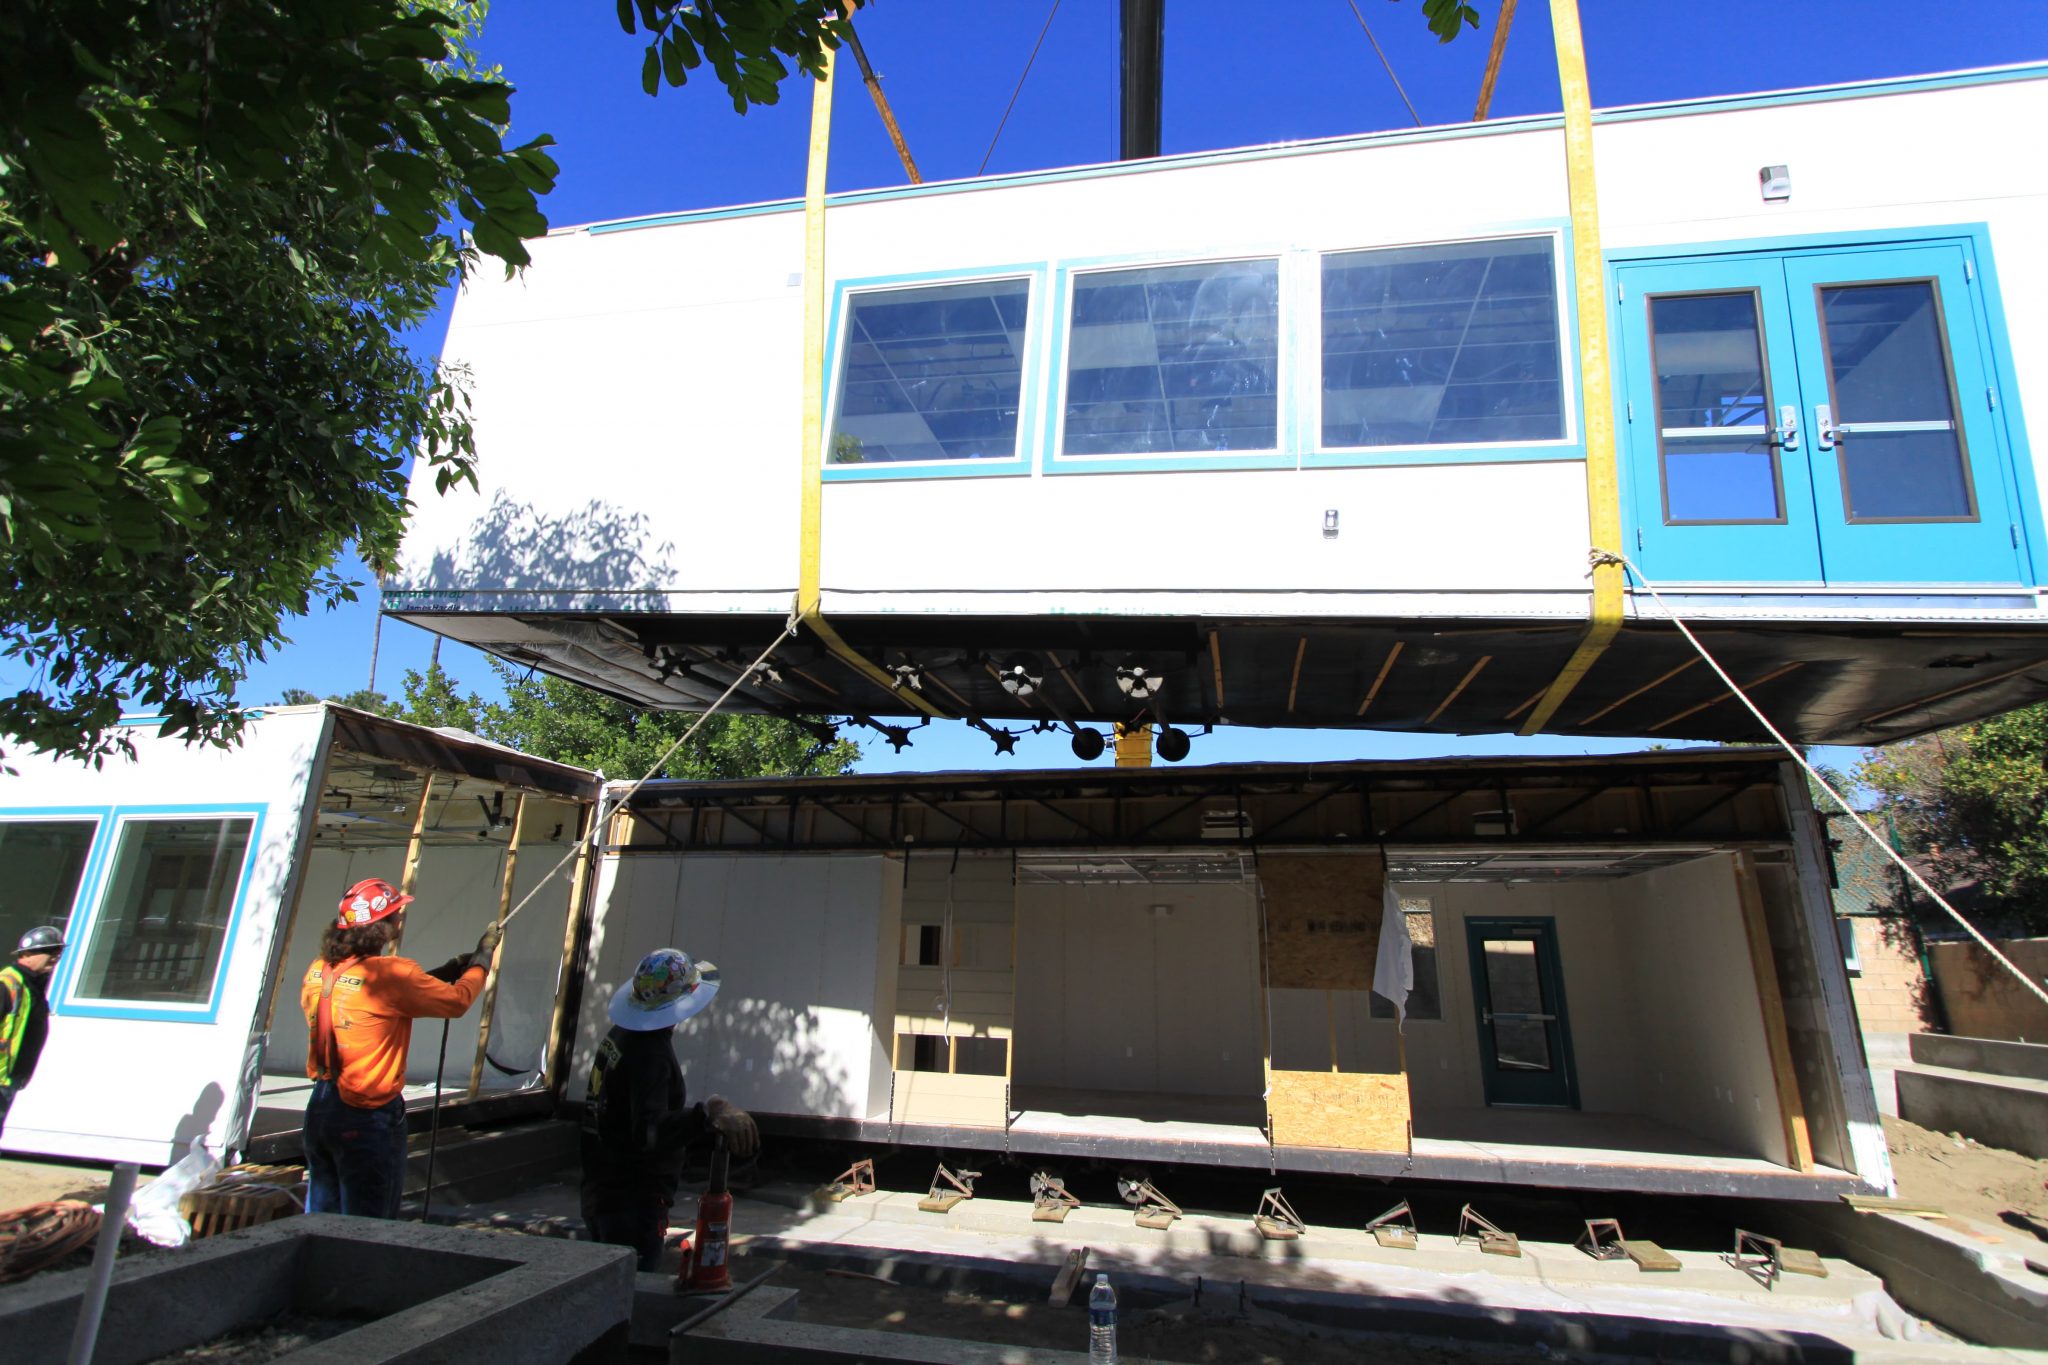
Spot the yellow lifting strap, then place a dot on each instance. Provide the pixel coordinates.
(812, 520)
(1603, 490)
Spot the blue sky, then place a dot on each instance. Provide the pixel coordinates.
(1235, 75)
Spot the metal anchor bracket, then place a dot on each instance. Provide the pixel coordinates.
(1276, 1219)
(938, 1201)
(1049, 1198)
(854, 1181)
(1491, 1239)
(1395, 1229)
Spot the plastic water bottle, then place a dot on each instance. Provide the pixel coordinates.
(1102, 1323)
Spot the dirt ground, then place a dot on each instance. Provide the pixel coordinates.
(1967, 1178)
(34, 1182)
(1181, 1333)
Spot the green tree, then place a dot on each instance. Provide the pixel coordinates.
(551, 718)
(1972, 803)
(213, 219)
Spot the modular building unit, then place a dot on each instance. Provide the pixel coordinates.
(1626, 969)
(1292, 435)
(193, 885)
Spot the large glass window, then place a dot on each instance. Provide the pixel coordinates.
(1714, 409)
(163, 923)
(44, 860)
(1902, 450)
(1442, 345)
(931, 374)
(1176, 358)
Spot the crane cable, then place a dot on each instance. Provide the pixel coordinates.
(1616, 557)
(1384, 62)
(1004, 122)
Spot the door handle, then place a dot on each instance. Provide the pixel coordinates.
(1519, 1018)
(1788, 427)
(1824, 432)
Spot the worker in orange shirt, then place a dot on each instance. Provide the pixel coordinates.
(360, 1000)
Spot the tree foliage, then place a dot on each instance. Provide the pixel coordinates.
(744, 40)
(213, 218)
(553, 719)
(1972, 804)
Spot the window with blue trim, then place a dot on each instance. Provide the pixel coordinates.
(1174, 359)
(931, 374)
(1454, 344)
(45, 861)
(163, 922)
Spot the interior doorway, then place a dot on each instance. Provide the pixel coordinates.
(1525, 1054)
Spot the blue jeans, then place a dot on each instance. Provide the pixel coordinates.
(355, 1158)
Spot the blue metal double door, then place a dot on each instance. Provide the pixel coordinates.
(1822, 418)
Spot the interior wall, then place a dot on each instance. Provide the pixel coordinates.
(1697, 1024)
(1112, 995)
(454, 897)
(976, 997)
(1443, 1055)
(792, 1030)
(1806, 1015)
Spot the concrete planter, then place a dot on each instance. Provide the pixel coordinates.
(430, 1294)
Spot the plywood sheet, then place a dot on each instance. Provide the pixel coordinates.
(1322, 920)
(1352, 1110)
(954, 1101)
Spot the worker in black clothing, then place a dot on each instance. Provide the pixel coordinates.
(25, 1009)
(637, 1119)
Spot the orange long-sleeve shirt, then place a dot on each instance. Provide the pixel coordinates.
(374, 1003)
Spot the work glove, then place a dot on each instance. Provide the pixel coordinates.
(450, 970)
(486, 946)
(742, 1138)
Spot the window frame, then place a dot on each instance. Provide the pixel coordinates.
(101, 818)
(1287, 324)
(1030, 373)
(1375, 1003)
(1569, 446)
(89, 912)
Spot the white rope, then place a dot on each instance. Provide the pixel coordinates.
(604, 815)
(1616, 557)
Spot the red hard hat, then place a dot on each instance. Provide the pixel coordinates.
(368, 901)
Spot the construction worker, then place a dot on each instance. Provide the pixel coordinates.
(637, 1120)
(360, 1000)
(25, 1009)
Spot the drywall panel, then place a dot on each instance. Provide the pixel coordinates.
(181, 1069)
(1697, 1022)
(1142, 988)
(966, 908)
(792, 1030)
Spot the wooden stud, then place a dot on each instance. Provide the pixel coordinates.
(572, 932)
(1294, 683)
(827, 688)
(1216, 662)
(1534, 697)
(1385, 668)
(1463, 683)
(1716, 701)
(1792, 1109)
(1628, 697)
(1330, 1016)
(413, 845)
(1080, 697)
(490, 998)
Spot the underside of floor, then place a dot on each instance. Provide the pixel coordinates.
(1565, 1149)
(1863, 681)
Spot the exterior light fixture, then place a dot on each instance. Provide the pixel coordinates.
(1329, 523)
(1017, 678)
(1776, 181)
(1138, 683)
(909, 675)
(1172, 744)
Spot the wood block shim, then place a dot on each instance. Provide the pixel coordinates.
(1322, 919)
(953, 1101)
(1351, 1110)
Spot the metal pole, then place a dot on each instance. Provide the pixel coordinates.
(1144, 45)
(120, 1190)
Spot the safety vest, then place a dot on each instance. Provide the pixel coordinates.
(14, 1024)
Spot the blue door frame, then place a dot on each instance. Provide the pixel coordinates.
(1807, 415)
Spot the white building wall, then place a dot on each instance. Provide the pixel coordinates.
(794, 1027)
(137, 1089)
(632, 378)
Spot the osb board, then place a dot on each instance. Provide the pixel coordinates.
(1322, 920)
(1353, 1110)
(955, 1101)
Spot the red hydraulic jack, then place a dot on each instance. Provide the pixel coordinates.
(705, 1270)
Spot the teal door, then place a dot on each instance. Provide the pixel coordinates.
(1525, 1053)
(1818, 418)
